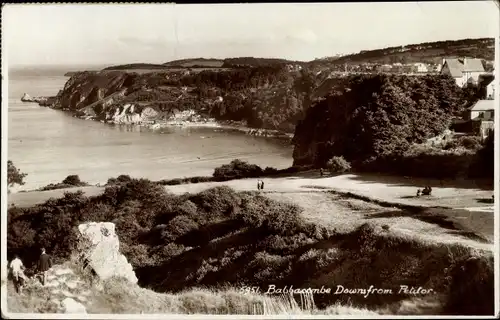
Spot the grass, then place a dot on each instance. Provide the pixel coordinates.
(116, 296)
(198, 246)
(461, 276)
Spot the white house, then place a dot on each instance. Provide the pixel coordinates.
(466, 70)
(421, 67)
(483, 110)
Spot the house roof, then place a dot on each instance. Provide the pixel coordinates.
(473, 65)
(483, 105)
(486, 79)
(457, 66)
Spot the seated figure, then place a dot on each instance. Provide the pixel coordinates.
(427, 191)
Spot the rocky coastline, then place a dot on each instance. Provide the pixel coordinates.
(149, 118)
(42, 101)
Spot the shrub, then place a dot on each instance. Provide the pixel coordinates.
(123, 178)
(237, 169)
(217, 202)
(467, 142)
(73, 180)
(338, 165)
(276, 217)
(178, 227)
(270, 171)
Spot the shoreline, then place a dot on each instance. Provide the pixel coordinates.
(224, 125)
(184, 123)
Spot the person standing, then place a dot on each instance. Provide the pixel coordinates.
(44, 265)
(262, 185)
(17, 267)
(258, 185)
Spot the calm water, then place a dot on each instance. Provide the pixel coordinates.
(49, 145)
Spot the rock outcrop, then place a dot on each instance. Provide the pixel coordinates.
(26, 98)
(42, 101)
(69, 305)
(99, 249)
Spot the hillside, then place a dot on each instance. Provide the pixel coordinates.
(240, 62)
(256, 62)
(269, 97)
(429, 52)
(195, 62)
(221, 239)
(135, 66)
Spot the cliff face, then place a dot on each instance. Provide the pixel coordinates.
(263, 97)
(87, 88)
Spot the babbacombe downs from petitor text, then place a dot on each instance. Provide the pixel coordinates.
(339, 289)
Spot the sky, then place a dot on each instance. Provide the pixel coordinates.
(86, 34)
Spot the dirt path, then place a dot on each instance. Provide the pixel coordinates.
(390, 189)
(322, 207)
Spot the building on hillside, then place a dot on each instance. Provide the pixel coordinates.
(482, 117)
(436, 68)
(384, 68)
(464, 71)
(421, 67)
(482, 110)
(478, 120)
(486, 86)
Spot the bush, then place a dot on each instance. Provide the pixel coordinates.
(178, 227)
(216, 202)
(467, 142)
(237, 169)
(73, 180)
(338, 165)
(270, 171)
(123, 178)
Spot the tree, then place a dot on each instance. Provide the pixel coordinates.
(14, 175)
(73, 180)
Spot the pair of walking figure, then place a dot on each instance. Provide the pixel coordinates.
(260, 185)
(17, 268)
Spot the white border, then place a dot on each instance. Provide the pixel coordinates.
(496, 192)
(3, 226)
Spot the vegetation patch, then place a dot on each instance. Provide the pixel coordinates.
(70, 181)
(219, 238)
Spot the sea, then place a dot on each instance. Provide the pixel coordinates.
(49, 144)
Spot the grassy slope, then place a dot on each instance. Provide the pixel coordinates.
(411, 251)
(367, 256)
(388, 189)
(483, 48)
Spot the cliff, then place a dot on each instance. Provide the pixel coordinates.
(271, 98)
(42, 101)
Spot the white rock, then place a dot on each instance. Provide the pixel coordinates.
(69, 305)
(67, 293)
(99, 242)
(26, 97)
(61, 272)
(72, 284)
